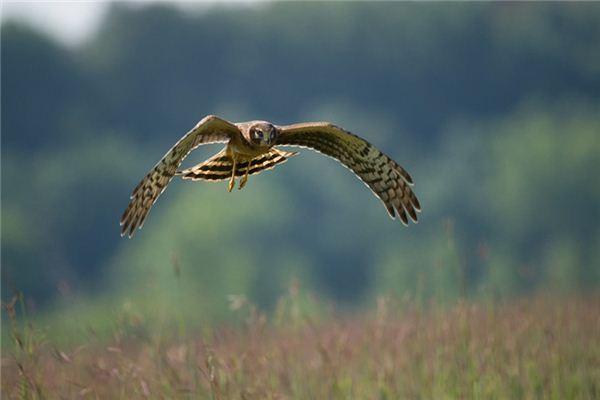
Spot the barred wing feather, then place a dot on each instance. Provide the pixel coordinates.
(210, 129)
(386, 179)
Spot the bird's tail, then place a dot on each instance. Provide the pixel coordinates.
(219, 166)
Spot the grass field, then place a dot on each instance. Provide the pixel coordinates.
(528, 349)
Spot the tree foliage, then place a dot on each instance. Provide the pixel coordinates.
(492, 107)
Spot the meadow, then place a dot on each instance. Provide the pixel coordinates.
(532, 348)
(493, 108)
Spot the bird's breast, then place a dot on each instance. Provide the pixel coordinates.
(242, 147)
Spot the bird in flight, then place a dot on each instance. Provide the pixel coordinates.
(252, 148)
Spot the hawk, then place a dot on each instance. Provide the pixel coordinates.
(252, 148)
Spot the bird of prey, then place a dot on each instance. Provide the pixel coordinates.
(252, 148)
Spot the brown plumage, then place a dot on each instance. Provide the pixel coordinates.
(250, 150)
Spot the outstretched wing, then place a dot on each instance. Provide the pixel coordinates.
(388, 180)
(210, 129)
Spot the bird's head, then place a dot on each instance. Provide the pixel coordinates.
(263, 133)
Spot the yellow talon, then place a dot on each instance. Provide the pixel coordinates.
(244, 179)
(232, 180)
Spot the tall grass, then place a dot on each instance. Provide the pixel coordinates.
(534, 348)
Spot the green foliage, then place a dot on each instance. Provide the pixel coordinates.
(233, 254)
(521, 207)
(492, 108)
(57, 205)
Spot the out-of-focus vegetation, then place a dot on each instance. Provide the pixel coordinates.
(493, 108)
(534, 349)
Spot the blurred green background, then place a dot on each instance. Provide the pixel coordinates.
(493, 108)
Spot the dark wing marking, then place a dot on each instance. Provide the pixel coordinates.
(210, 129)
(266, 161)
(388, 180)
(219, 166)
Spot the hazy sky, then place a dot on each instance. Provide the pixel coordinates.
(72, 22)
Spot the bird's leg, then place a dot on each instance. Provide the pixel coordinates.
(244, 179)
(232, 180)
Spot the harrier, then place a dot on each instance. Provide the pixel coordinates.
(252, 148)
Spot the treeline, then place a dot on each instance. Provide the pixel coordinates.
(492, 107)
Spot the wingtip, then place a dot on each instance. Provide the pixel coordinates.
(125, 228)
(395, 214)
(405, 223)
